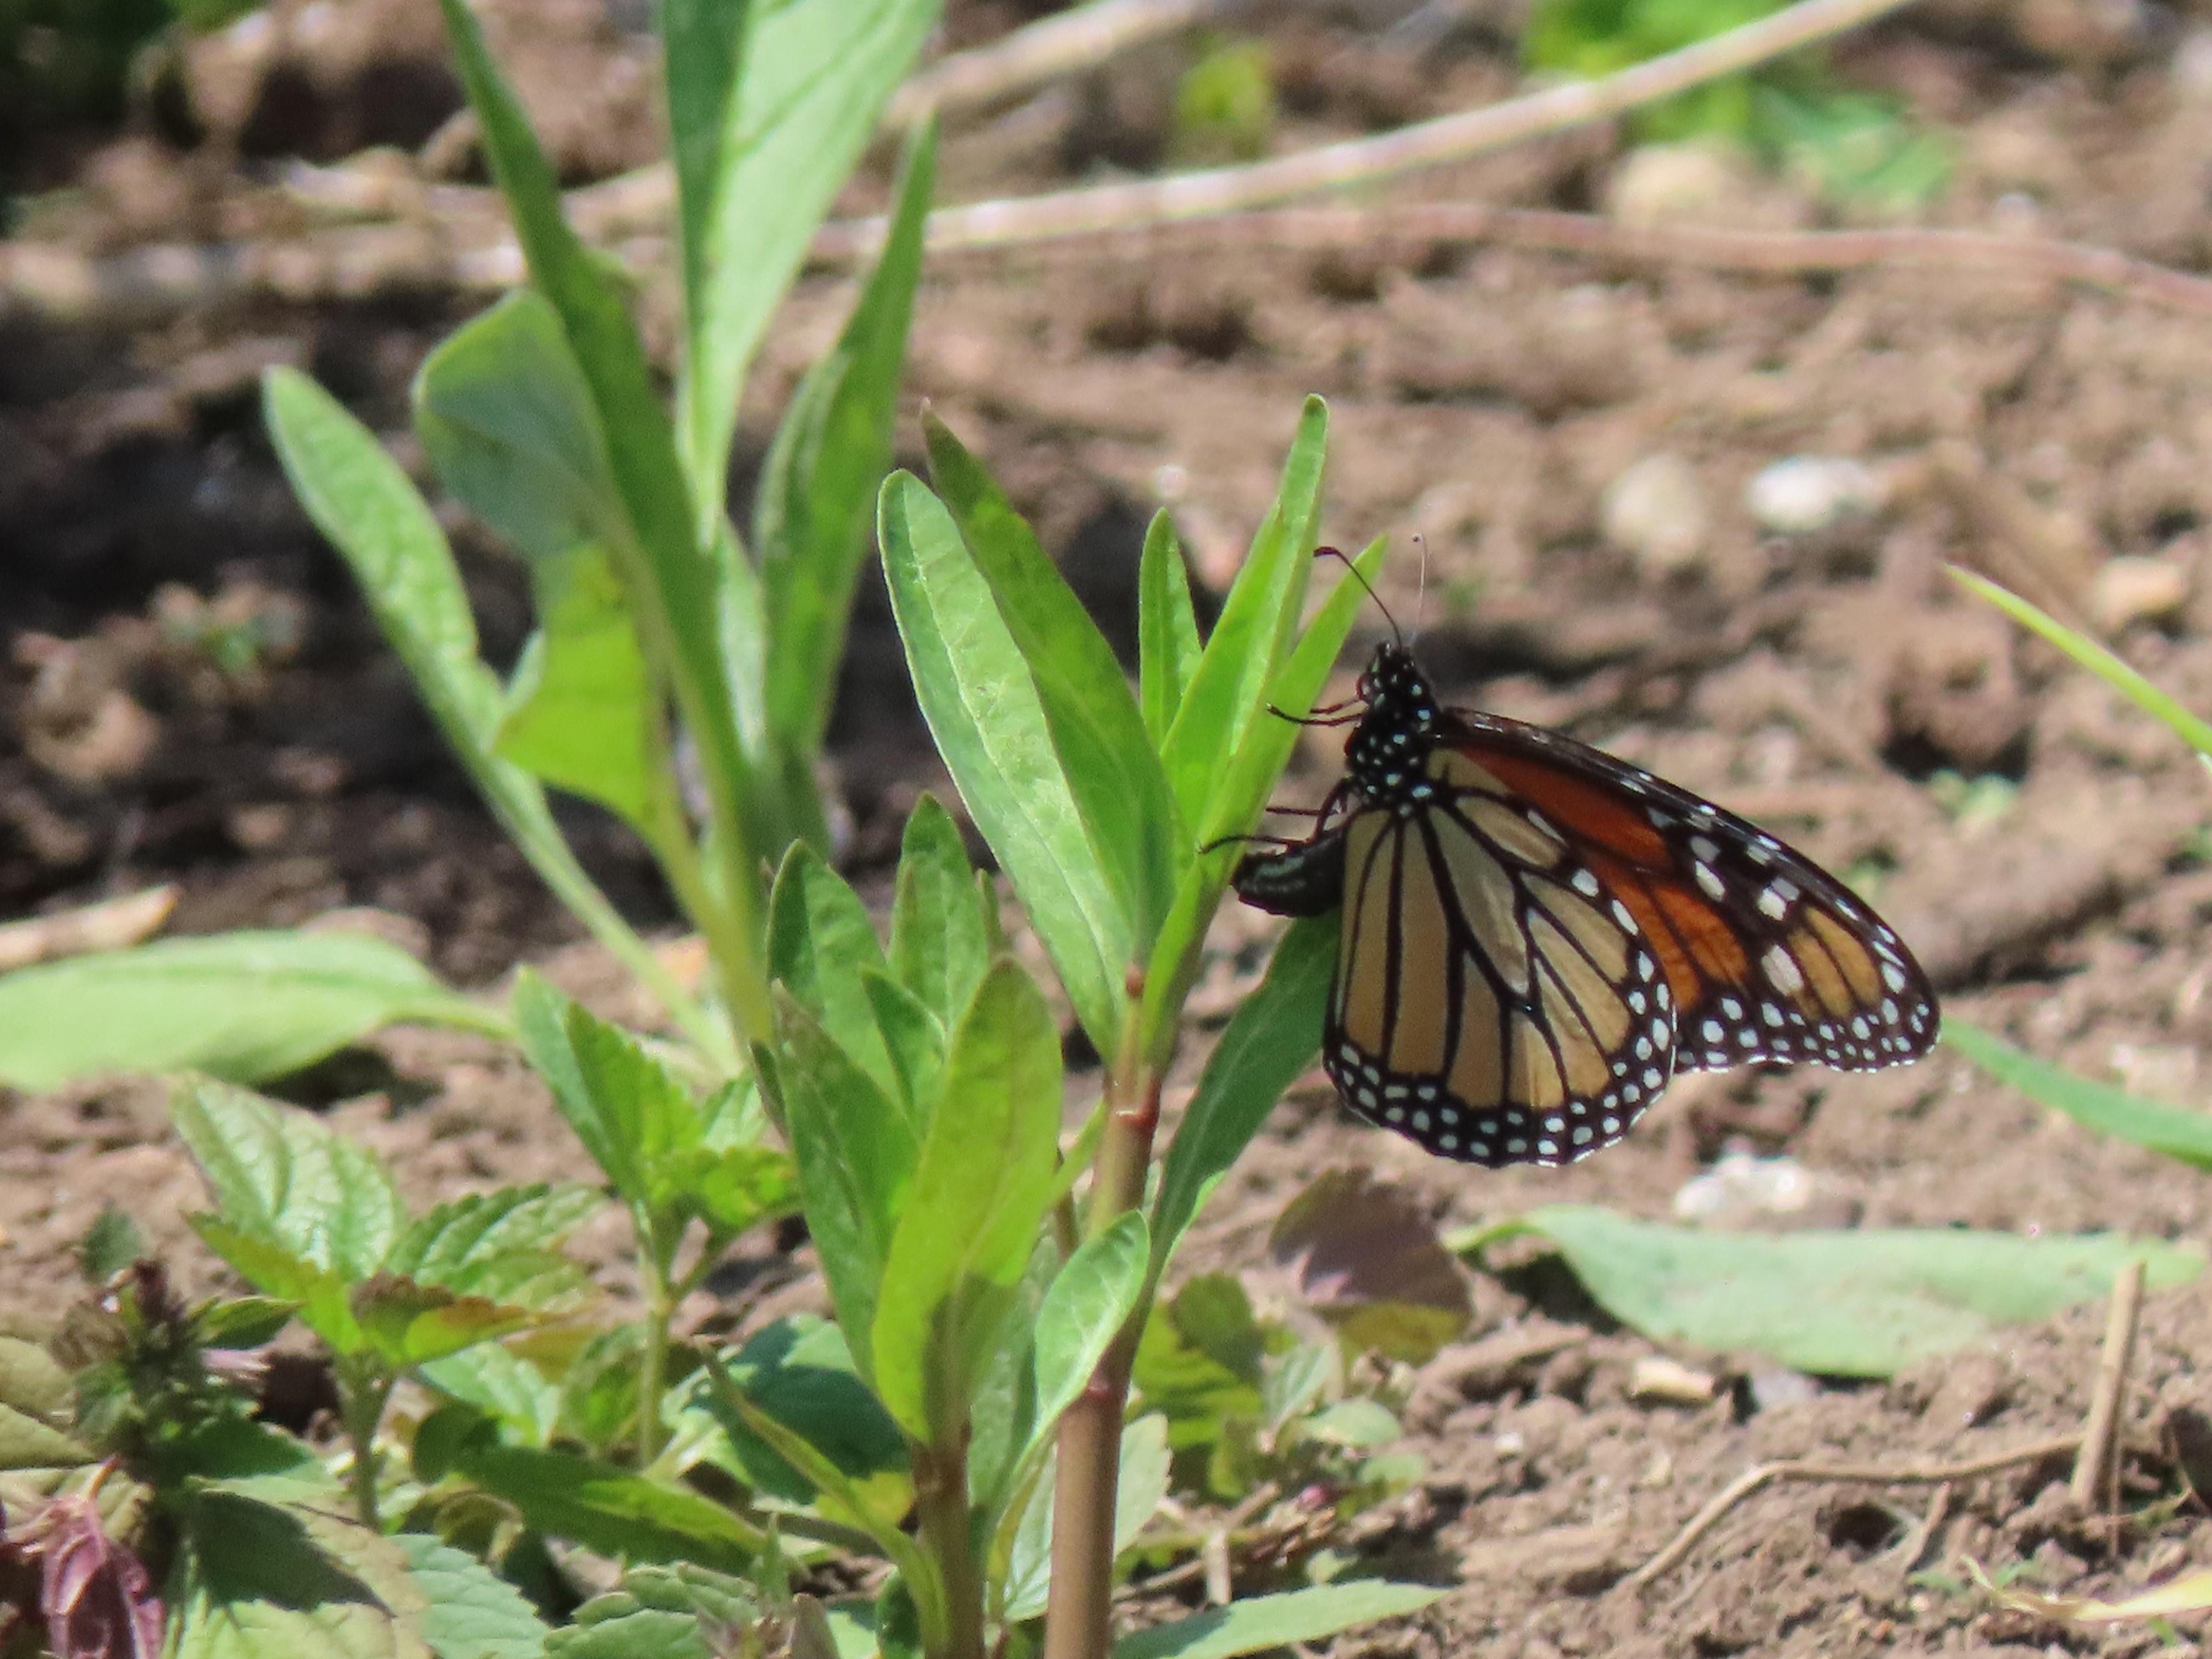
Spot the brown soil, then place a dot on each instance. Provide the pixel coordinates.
(1484, 399)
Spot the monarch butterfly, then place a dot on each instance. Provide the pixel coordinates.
(1537, 936)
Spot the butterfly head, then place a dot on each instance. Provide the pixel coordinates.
(1387, 758)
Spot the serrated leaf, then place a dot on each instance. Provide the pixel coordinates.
(503, 1385)
(320, 1295)
(409, 1324)
(280, 1176)
(470, 1611)
(456, 1240)
(610, 1510)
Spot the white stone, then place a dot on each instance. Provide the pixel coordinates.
(1654, 511)
(1804, 495)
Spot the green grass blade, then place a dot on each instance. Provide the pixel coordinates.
(1097, 729)
(2197, 733)
(2176, 1131)
(990, 726)
(818, 484)
(758, 171)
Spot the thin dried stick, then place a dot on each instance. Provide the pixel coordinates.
(2097, 1467)
(1759, 253)
(1387, 155)
(109, 925)
(1067, 43)
(1872, 1474)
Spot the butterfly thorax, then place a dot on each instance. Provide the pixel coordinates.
(1387, 759)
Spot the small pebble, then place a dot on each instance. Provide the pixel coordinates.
(1655, 512)
(1804, 495)
(2131, 589)
(1656, 1377)
(1740, 1186)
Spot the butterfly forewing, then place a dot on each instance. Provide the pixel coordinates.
(1770, 958)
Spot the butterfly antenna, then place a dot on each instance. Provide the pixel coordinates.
(1344, 559)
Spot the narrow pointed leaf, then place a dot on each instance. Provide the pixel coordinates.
(941, 938)
(1258, 1623)
(990, 725)
(818, 489)
(1167, 645)
(820, 943)
(965, 1231)
(2179, 1131)
(1105, 752)
(1229, 686)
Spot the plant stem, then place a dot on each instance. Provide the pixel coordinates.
(363, 1394)
(1076, 1623)
(940, 1501)
(652, 1368)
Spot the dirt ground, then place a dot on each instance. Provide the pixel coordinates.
(2041, 848)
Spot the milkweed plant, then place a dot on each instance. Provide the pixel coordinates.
(957, 1430)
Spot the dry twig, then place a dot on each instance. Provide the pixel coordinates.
(1872, 1475)
(108, 925)
(2096, 1470)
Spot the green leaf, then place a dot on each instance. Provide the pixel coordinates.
(818, 484)
(979, 1191)
(2178, 1131)
(799, 1372)
(1238, 800)
(28, 1443)
(856, 1153)
(1199, 1360)
(1851, 1304)
(820, 943)
(1229, 685)
(681, 1611)
(280, 1175)
(941, 939)
(630, 1517)
(914, 1040)
(2096, 659)
(758, 163)
(581, 713)
(669, 568)
(1107, 757)
(1367, 1259)
(1084, 1308)
(984, 710)
(505, 416)
(637, 1118)
(504, 1386)
(1257, 1623)
(472, 1612)
(257, 1579)
(365, 505)
(242, 1006)
(409, 1324)
(320, 1295)
(1272, 1039)
(1167, 645)
(459, 1244)
(111, 1243)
